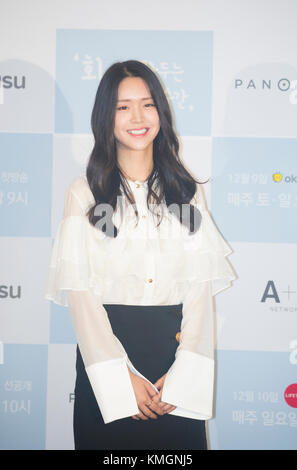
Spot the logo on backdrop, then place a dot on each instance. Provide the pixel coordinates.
(283, 84)
(290, 395)
(273, 292)
(13, 81)
(13, 292)
(278, 177)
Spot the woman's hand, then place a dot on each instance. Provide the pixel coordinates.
(165, 406)
(145, 395)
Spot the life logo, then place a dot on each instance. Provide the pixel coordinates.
(278, 177)
(290, 395)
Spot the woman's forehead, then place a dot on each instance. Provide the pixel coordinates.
(133, 88)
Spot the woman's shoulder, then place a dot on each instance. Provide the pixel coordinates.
(80, 188)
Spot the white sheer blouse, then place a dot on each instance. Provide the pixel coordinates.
(143, 265)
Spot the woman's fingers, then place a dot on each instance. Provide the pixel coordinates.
(153, 400)
(160, 407)
(156, 408)
(141, 416)
(152, 410)
(165, 407)
(168, 408)
(149, 409)
(145, 413)
(148, 398)
(159, 383)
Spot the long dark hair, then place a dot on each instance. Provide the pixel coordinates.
(176, 187)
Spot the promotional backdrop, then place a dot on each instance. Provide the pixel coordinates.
(230, 73)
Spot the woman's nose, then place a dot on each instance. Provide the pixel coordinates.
(137, 114)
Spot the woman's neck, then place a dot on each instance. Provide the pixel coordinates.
(136, 167)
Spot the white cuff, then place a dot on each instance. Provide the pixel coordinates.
(188, 385)
(113, 389)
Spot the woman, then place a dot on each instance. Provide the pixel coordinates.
(139, 292)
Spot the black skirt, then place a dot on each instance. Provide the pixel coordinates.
(148, 334)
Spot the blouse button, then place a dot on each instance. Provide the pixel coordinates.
(143, 216)
(137, 185)
(177, 336)
(150, 280)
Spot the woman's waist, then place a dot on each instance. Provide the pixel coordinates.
(156, 322)
(149, 308)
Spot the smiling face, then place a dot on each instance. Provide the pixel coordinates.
(136, 117)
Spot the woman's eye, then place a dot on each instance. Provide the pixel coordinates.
(126, 107)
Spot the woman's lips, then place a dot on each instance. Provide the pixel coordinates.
(139, 135)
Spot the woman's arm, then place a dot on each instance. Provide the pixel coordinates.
(189, 381)
(104, 357)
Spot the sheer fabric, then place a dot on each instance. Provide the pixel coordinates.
(144, 265)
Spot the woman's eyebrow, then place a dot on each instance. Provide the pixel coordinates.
(149, 98)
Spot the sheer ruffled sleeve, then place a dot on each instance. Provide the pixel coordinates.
(69, 268)
(189, 382)
(71, 283)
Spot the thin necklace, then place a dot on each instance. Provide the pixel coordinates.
(128, 177)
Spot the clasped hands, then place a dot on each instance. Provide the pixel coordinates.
(148, 400)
